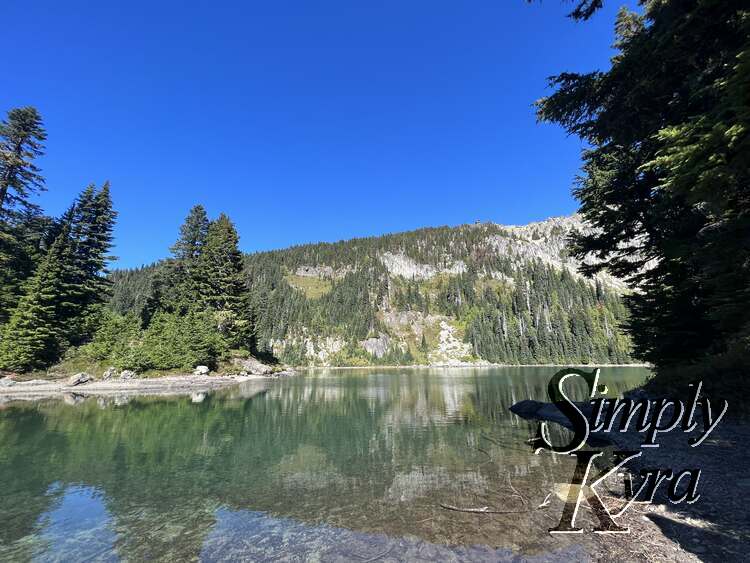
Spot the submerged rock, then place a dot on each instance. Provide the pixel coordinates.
(537, 410)
(201, 370)
(73, 399)
(197, 397)
(121, 400)
(79, 379)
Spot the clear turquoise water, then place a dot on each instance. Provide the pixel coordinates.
(331, 466)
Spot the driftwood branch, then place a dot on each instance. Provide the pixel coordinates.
(482, 510)
(546, 501)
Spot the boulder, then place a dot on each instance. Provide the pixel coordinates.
(201, 370)
(284, 373)
(252, 366)
(127, 374)
(526, 408)
(197, 397)
(537, 410)
(6, 382)
(79, 379)
(109, 373)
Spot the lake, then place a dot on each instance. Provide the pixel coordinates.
(347, 465)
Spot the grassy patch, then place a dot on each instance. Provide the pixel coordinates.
(313, 288)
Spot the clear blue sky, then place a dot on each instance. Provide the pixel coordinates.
(303, 120)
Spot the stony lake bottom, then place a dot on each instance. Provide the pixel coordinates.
(351, 465)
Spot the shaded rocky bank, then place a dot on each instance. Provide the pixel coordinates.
(716, 526)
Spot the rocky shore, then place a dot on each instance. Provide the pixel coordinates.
(714, 528)
(125, 384)
(162, 386)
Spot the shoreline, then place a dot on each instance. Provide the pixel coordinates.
(474, 366)
(686, 531)
(173, 385)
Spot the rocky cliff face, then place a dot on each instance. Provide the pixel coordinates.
(547, 241)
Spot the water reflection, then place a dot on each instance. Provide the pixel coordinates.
(78, 523)
(331, 459)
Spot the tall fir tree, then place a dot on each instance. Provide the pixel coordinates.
(22, 137)
(22, 246)
(665, 182)
(174, 288)
(35, 335)
(193, 233)
(92, 225)
(22, 228)
(221, 280)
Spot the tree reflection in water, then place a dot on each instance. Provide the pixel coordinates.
(332, 460)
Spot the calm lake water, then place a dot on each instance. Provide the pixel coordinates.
(331, 466)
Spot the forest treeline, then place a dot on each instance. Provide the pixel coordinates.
(52, 276)
(509, 308)
(56, 290)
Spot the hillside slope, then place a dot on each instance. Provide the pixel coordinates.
(445, 295)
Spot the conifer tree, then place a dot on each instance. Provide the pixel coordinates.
(175, 287)
(22, 245)
(22, 137)
(665, 180)
(222, 283)
(35, 333)
(91, 221)
(221, 280)
(193, 233)
(21, 227)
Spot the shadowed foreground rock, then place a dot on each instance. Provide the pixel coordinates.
(538, 410)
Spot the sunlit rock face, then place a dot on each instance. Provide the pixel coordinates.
(401, 265)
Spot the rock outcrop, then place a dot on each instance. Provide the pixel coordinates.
(251, 366)
(79, 379)
(377, 347)
(451, 350)
(402, 265)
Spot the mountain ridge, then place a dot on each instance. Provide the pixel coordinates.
(473, 293)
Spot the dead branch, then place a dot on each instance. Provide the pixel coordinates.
(482, 510)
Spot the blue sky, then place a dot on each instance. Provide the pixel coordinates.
(304, 121)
